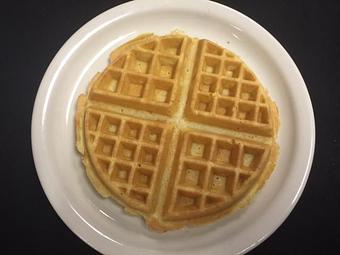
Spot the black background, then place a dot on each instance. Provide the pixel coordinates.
(32, 33)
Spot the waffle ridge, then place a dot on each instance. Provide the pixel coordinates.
(177, 130)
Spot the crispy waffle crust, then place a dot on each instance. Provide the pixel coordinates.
(177, 130)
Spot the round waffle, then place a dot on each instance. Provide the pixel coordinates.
(177, 129)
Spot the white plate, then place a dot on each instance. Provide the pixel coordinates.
(101, 223)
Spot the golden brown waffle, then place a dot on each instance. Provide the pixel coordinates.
(211, 170)
(144, 75)
(177, 130)
(227, 93)
(128, 154)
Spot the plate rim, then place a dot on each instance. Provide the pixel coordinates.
(45, 88)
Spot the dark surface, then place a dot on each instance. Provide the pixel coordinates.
(32, 33)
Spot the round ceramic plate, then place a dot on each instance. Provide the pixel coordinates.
(100, 222)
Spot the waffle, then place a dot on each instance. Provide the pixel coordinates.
(226, 92)
(144, 75)
(177, 130)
